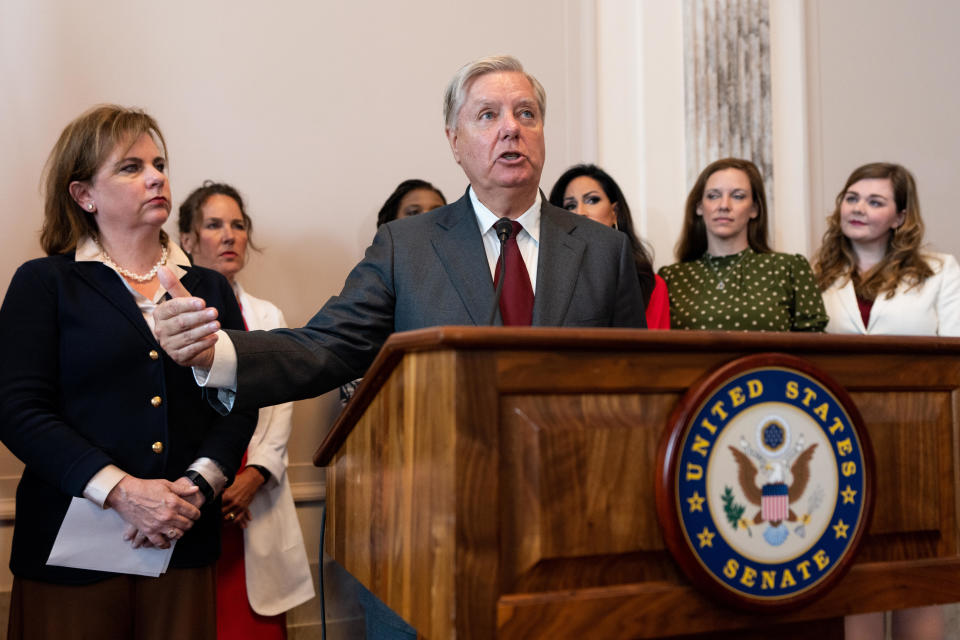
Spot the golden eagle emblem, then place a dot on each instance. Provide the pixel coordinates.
(774, 494)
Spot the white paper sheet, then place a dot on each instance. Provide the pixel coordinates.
(92, 538)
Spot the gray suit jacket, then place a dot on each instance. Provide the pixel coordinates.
(431, 270)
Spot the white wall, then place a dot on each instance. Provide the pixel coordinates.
(641, 114)
(885, 86)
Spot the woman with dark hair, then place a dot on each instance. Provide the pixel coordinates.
(588, 190)
(726, 276)
(95, 409)
(408, 199)
(875, 277)
(263, 569)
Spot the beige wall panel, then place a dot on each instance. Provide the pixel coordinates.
(885, 86)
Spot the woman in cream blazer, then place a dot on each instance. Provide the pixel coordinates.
(265, 567)
(876, 279)
(870, 267)
(278, 572)
(929, 309)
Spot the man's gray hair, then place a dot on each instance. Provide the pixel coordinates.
(456, 93)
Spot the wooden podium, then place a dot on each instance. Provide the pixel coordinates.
(499, 483)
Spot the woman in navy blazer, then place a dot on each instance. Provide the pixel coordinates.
(96, 410)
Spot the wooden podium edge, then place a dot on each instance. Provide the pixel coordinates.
(603, 339)
(636, 610)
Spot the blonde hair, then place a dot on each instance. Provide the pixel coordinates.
(903, 261)
(83, 146)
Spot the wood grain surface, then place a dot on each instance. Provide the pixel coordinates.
(500, 482)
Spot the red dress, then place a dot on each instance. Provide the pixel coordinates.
(235, 618)
(658, 309)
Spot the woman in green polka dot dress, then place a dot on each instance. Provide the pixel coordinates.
(727, 277)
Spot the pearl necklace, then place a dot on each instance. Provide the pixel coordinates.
(721, 282)
(148, 276)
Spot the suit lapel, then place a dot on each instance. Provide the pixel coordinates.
(107, 283)
(189, 280)
(879, 309)
(848, 299)
(459, 246)
(557, 268)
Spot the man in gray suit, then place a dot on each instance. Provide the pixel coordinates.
(432, 269)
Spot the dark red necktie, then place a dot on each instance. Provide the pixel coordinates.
(516, 304)
(245, 327)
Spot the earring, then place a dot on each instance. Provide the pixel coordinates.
(90, 206)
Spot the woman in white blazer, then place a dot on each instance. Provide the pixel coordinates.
(876, 279)
(874, 275)
(263, 571)
(931, 309)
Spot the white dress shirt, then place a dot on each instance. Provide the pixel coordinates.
(528, 241)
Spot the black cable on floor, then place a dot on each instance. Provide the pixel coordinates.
(323, 608)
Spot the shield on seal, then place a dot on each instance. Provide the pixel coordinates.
(774, 502)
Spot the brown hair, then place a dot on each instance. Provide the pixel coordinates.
(191, 210)
(82, 148)
(693, 238)
(836, 259)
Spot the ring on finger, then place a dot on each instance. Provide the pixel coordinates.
(231, 516)
(172, 533)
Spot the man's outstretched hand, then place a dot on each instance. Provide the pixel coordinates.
(185, 327)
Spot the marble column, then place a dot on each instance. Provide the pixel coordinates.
(727, 84)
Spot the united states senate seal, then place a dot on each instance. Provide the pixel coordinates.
(764, 483)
